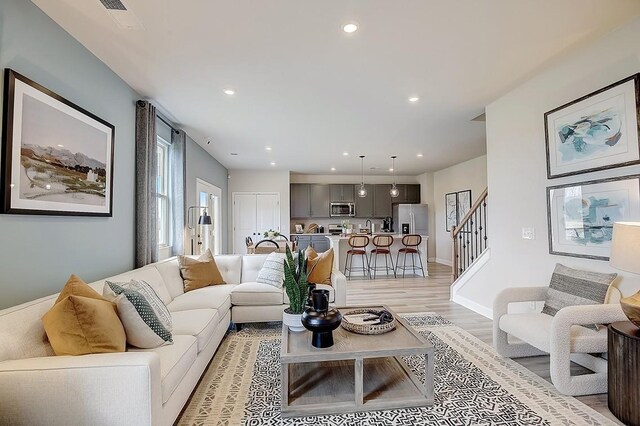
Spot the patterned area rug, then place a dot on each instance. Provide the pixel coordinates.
(473, 386)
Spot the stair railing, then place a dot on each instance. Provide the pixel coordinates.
(469, 238)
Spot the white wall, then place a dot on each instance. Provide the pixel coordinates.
(259, 181)
(471, 175)
(517, 166)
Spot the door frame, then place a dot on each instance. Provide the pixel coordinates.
(217, 215)
(233, 214)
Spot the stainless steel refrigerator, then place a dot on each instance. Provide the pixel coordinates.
(413, 215)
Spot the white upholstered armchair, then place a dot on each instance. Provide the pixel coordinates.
(561, 336)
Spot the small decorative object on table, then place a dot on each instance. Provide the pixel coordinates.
(297, 288)
(321, 320)
(368, 321)
(271, 234)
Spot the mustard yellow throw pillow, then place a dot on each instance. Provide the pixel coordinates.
(319, 266)
(201, 272)
(83, 322)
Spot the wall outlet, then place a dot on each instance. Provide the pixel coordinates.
(528, 234)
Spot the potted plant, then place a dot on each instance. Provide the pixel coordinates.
(271, 234)
(297, 288)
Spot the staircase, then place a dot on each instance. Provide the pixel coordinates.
(469, 238)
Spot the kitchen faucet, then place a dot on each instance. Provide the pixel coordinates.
(367, 224)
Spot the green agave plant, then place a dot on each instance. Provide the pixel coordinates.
(295, 281)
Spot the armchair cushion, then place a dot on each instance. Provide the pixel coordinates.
(572, 287)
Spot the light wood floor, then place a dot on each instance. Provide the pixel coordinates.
(432, 294)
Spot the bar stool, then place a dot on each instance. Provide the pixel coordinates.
(358, 244)
(382, 244)
(411, 243)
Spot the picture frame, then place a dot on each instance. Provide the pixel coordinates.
(598, 131)
(57, 157)
(457, 205)
(581, 215)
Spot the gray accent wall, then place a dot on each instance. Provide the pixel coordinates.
(38, 253)
(201, 165)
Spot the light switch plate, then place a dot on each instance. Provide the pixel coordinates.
(528, 234)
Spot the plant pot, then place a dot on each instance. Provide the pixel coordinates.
(293, 321)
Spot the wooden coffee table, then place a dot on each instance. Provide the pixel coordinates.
(358, 373)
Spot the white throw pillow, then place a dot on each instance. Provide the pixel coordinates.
(141, 324)
(272, 271)
(144, 288)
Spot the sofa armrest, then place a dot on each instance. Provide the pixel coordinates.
(339, 284)
(114, 389)
(586, 315)
(514, 295)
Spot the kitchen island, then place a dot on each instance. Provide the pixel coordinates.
(340, 245)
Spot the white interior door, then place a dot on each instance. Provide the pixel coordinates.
(244, 221)
(268, 213)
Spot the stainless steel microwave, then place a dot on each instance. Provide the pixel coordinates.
(343, 210)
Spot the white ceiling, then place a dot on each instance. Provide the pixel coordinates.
(311, 91)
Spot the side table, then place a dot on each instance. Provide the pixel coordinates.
(624, 371)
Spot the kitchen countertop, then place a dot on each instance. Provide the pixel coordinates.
(326, 234)
(393, 234)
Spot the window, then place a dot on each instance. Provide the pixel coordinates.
(163, 193)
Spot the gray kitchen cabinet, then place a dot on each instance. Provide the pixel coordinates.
(382, 200)
(320, 243)
(344, 193)
(320, 198)
(409, 194)
(300, 201)
(364, 206)
(303, 241)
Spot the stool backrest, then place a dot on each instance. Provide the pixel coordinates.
(382, 240)
(411, 240)
(358, 241)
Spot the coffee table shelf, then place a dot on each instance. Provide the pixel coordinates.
(358, 373)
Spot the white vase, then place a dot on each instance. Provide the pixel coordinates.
(293, 321)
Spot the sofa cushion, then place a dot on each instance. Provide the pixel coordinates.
(175, 362)
(22, 333)
(170, 271)
(200, 272)
(251, 266)
(272, 271)
(535, 329)
(199, 323)
(142, 287)
(77, 287)
(149, 274)
(256, 294)
(80, 325)
(213, 297)
(332, 294)
(319, 266)
(230, 266)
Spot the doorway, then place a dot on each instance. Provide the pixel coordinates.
(254, 213)
(207, 236)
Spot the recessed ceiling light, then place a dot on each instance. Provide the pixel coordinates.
(419, 155)
(349, 28)
(234, 153)
(60, 145)
(414, 99)
(333, 169)
(268, 148)
(345, 153)
(229, 92)
(273, 164)
(391, 169)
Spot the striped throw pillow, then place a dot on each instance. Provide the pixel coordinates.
(144, 288)
(272, 271)
(571, 287)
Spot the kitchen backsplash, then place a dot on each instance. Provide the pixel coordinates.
(325, 222)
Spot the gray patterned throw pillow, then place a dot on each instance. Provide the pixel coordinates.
(272, 271)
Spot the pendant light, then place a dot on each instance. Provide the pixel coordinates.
(394, 191)
(362, 191)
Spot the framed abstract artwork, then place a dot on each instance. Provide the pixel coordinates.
(457, 205)
(57, 157)
(596, 132)
(581, 215)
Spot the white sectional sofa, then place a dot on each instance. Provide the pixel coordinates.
(140, 386)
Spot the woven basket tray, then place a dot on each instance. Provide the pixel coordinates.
(352, 325)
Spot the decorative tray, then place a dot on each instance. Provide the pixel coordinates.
(354, 321)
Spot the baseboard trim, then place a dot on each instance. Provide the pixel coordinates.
(474, 306)
(443, 261)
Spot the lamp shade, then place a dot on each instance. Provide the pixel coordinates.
(626, 246)
(204, 219)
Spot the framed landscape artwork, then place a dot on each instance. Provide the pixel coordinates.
(596, 132)
(457, 205)
(581, 215)
(57, 157)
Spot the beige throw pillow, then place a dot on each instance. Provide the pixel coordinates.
(201, 272)
(319, 266)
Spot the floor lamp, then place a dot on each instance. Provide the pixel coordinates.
(204, 219)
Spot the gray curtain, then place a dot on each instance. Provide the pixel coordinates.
(146, 175)
(178, 179)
